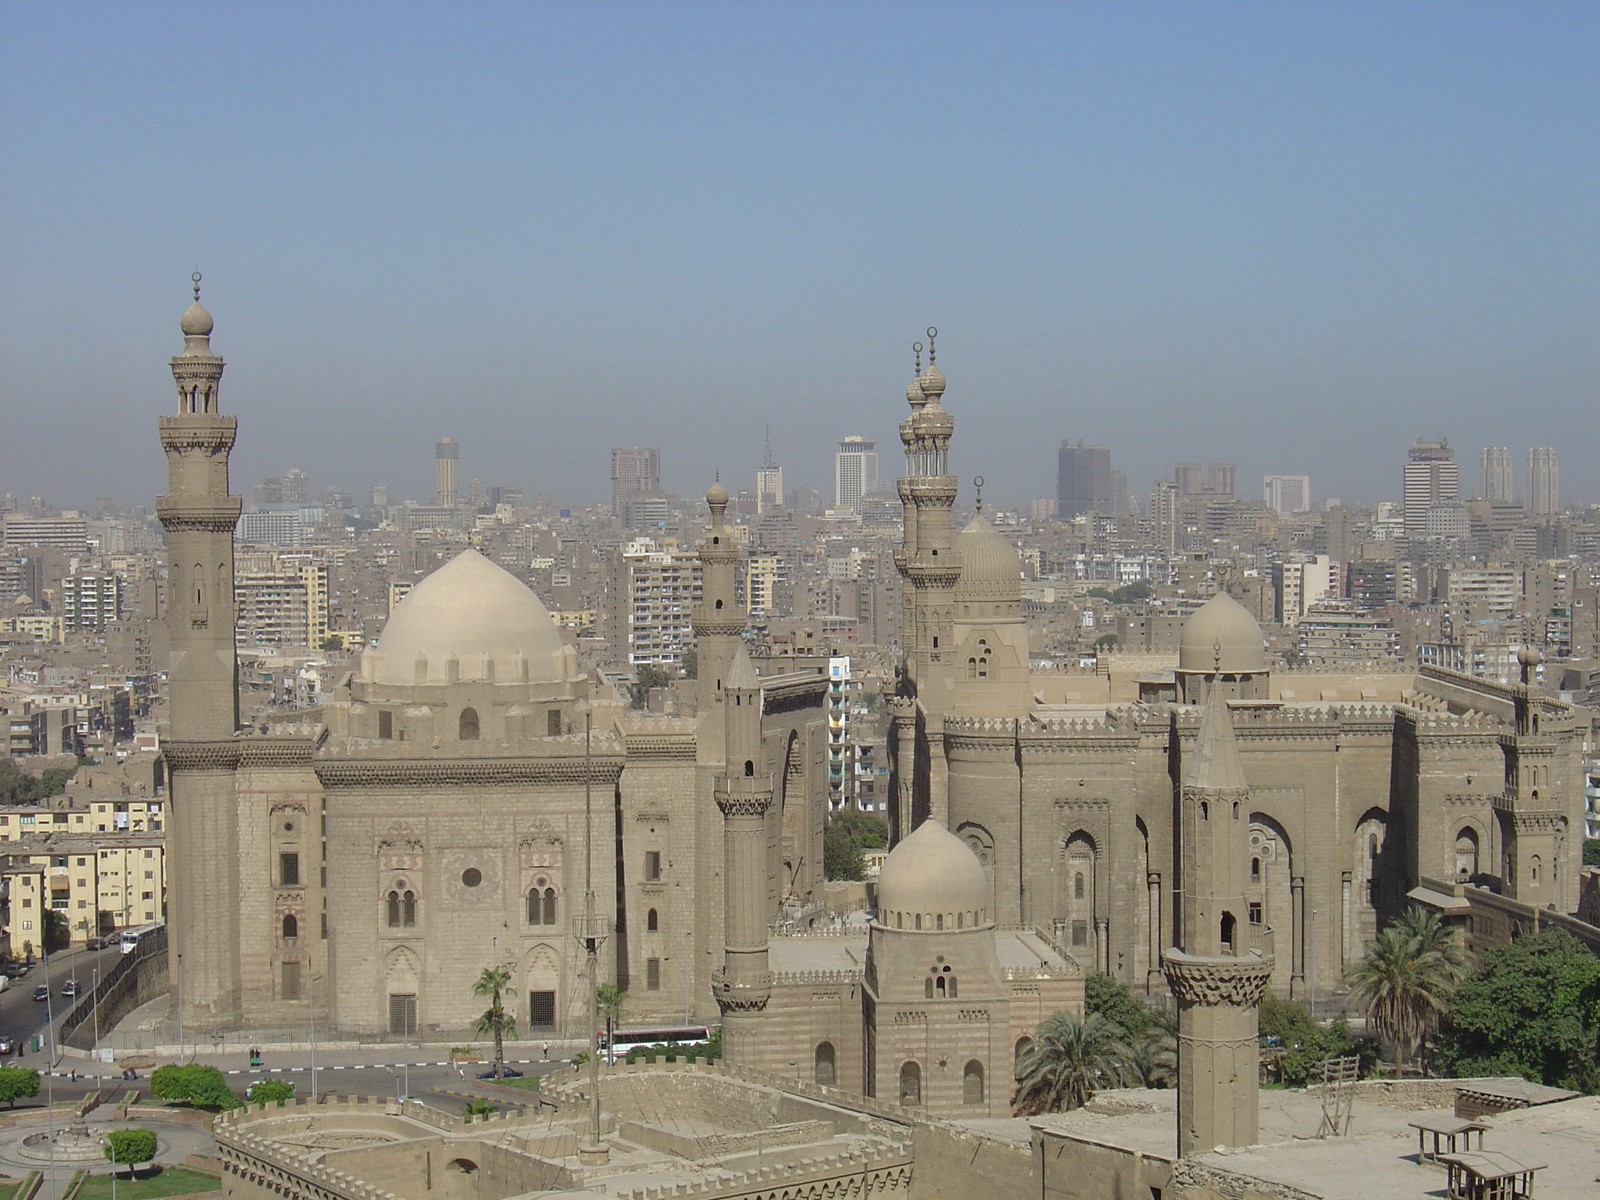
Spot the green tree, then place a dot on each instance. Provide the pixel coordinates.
(477, 1108)
(199, 1085)
(612, 1003)
(1405, 979)
(269, 1091)
(1108, 997)
(1068, 1061)
(18, 1083)
(496, 1021)
(846, 835)
(131, 1147)
(1531, 1009)
(647, 676)
(57, 932)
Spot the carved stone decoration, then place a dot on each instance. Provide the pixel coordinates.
(1237, 982)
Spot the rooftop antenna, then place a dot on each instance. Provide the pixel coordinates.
(977, 482)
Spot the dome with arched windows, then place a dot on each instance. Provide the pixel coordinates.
(932, 881)
(471, 621)
(1221, 636)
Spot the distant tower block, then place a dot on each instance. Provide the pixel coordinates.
(1216, 975)
(446, 471)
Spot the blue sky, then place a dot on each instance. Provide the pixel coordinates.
(1295, 236)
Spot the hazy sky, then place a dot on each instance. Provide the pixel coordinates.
(1292, 235)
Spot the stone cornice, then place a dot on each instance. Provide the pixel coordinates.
(1237, 982)
(351, 773)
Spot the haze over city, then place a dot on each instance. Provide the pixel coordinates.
(1292, 237)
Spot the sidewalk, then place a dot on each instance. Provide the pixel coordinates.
(147, 1031)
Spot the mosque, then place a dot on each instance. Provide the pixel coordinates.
(468, 797)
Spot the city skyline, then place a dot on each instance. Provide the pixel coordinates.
(1181, 233)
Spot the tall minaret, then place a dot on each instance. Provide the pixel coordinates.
(719, 619)
(1216, 977)
(199, 517)
(744, 794)
(926, 558)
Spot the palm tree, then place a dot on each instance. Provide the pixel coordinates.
(496, 1020)
(611, 1001)
(1068, 1061)
(1406, 978)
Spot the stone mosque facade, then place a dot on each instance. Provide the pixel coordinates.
(468, 795)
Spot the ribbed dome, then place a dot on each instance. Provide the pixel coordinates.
(196, 321)
(1222, 626)
(990, 568)
(477, 613)
(932, 872)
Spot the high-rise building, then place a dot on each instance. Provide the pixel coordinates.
(1287, 493)
(1084, 480)
(1542, 484)
(1430, 478)
(1494, 475)
(855, 472)
(635, 471)
(446, 470)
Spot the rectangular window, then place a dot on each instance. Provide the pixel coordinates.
(652, 864)
(402, 1014)
(386, 724)
(291, 981)
(652, 974)
(541, 1010)
(289, 869)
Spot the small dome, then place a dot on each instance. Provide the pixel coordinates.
(477, 613)
(1222, 626)
(990, 567)
(932, 871)
(931, 382)
(716, 494)
(196, 321)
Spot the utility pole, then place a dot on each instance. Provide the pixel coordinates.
(590, 933)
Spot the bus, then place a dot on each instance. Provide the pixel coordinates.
(130, 937)
(623, 1040)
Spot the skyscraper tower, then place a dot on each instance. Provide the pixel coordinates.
(769, 482)
(1083, 480)
(446, 470)
(1430, 478)
(1542, 490)
(1214, 974)
(743, 794)
(718, 620)
(1494, 475)
(855, 472)
(199, 516)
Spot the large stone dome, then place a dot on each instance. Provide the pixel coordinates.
(479, 615)
(1222, 626)
(930, 879)
(990, 568)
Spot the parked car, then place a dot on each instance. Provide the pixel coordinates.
(69, 988)
(42, 992)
